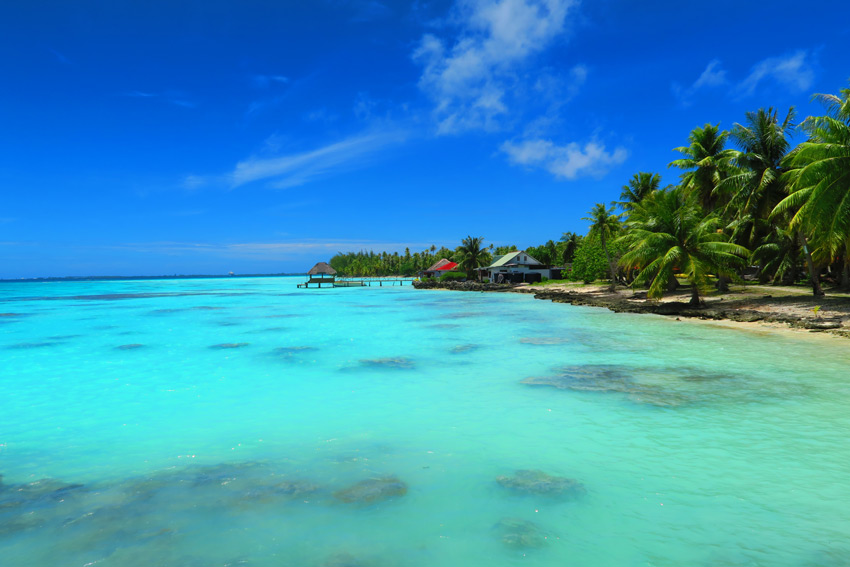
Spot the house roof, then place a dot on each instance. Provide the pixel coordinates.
(321, 268)
(512, 259)
(447, 267)
(442, 262)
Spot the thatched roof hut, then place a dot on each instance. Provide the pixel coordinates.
(323, 269)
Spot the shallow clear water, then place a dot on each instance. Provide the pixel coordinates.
(222, 422)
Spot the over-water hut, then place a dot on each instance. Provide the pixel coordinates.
(320, 274)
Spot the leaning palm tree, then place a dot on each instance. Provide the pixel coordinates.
(640, 185)
(604, 225)
(706, 164)
(820, 181)
(669, 232)
(472, 253)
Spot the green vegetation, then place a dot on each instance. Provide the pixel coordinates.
(453, 276)
(760, 210)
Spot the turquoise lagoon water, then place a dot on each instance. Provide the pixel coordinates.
(219, 422)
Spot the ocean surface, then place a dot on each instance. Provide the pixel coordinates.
(247, 422)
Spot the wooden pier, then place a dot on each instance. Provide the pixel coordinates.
(355, 282)
(322, 275)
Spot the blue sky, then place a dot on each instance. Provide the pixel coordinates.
(164, 137)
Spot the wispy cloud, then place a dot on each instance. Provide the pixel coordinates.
(259, 250)
(568, 161)
(793, 71)
(712, 76)
(299, 168)
(264, 81)
(171, 97)
(60, 57)
(470, 76)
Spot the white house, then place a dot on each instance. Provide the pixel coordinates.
(517, 267)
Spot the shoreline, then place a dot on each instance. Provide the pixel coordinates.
(776, 308)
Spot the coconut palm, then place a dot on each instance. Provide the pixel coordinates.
(640, 185)
(706, 164)
(472, 253)
(667, 232)
(757, 186)
(571, 241)
(605, 225)
(778, 255)
(820, 182)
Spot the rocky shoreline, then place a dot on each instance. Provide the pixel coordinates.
(749, 309)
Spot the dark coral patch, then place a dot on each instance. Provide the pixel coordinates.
(372, 490)
(400, 362)
(538, 482)
(229, 345)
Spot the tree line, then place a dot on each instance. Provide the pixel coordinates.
(746, 203)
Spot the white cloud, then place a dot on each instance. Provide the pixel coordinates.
(712, 76)
(469, 77)
(263, 81)
(259, 250)
(568, 161)
(297, 169)
(793, 71)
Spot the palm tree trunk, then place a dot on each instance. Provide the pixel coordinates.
(613, 285)
(816, 289)
(694, 295)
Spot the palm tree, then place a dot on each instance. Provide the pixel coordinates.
(778, 255)
(640, 185)
(604, 224)
(668, 231)
(472, 253)
(571, 241)
(757, 186)
(706, 164)
(820, 182)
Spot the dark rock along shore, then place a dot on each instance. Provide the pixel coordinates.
(623, 305)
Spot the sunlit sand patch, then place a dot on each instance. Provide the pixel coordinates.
(372, 490)
(539, 482)
(400, 362)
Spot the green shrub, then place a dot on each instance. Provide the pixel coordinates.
(589, 263)
(453, 276)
